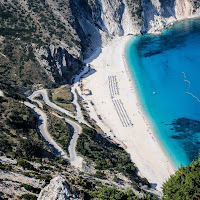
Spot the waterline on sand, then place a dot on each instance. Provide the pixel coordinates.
(160, 67)
(138, 138)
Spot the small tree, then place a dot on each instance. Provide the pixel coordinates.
(184, 184)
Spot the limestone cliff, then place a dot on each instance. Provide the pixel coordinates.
(50, 32)
(97, 22)
(157, 14)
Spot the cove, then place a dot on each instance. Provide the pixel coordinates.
(166, 72)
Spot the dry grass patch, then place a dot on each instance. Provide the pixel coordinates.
(63, 97)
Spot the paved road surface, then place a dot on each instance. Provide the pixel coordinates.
(42, 125)
(73, 159)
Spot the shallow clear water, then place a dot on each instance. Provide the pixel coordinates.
(166, 70)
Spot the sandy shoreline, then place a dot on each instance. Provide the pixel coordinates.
(115, 101)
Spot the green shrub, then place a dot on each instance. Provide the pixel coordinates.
(26, 165)
(6, 167)
(100, 175)
(45, 178)
(5, 145)
(61, 100)
(107, 193)
(184, 184)
(105, 154)
(28, 197)
(43, 167)
(31, 188)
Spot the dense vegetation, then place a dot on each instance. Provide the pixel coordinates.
(106, 155)
(18, 66)
(23, 43)
(17, 21)
(28, 197)
(26, 165)
(60, 130)
(18, 134)
(30, 188)
(184, 184)
(111, 193)
(17, 60)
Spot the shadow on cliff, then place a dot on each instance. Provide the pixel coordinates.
(167, 10)
(87, 74)
(87, 24)
(89, 19)
(149, 10)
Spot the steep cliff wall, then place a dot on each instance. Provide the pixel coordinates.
(98, 21)
(157, 14)
(78, 27)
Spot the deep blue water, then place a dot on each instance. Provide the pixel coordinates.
(160, 66)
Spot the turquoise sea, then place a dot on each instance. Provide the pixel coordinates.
(166, 72)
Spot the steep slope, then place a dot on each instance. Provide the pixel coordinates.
(51, 38)
(158, 14)
(43, 44)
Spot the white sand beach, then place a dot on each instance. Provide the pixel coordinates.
(114, 99)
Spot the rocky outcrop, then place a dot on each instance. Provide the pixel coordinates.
(58, 63)
(93, 23)
(58, 189)
(63, 65)
(15, 177)
(10, 183)
(1, 93)
(98, 21)
(157, 14)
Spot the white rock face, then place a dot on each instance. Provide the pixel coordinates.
(117, 19)
(11, 182)
(38, 52)
(57, 190)
(157, 14)
(183, 9)
(111, 15)
(15, 177)
(1, 93)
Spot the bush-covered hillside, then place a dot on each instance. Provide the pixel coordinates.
(184, 184)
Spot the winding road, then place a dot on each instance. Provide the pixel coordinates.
(42, 120)
(42, 125)
(74, 159)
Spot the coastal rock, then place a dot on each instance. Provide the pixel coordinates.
(97, 22)
(58, 189)
(158, 14)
